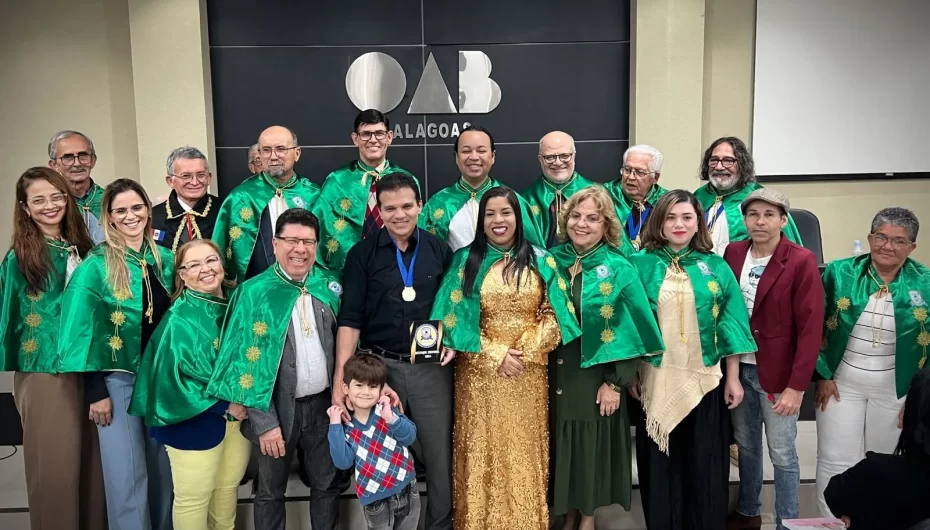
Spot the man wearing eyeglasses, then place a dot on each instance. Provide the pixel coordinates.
(731, 176)
(72, 154)
(190, 212)
(637, 190)
(255, 160)
(276, 358)
(245, 224)
(348, 208)
(558, 182)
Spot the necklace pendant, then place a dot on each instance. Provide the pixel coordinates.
(636, 243)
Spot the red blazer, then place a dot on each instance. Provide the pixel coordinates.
(787, 317)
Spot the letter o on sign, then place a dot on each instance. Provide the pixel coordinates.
(376, 81)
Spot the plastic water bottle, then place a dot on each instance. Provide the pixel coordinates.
(857, 248)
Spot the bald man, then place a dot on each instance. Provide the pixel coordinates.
(245, 224)
(558, 182)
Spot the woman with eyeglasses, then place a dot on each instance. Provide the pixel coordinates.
(111, 307)
(505, 308)
(684, 461)
(875, 340)
(592, 448)
(64, 482)
(201, 434)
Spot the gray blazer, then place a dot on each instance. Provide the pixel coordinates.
(281, 410)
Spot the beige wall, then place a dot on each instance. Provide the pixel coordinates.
(134, 75)
(845, 209)
(66, 65)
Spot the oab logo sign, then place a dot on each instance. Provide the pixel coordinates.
(377, 81)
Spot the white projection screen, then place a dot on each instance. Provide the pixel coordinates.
(842, 87)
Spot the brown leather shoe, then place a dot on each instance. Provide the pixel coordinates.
(738, 521)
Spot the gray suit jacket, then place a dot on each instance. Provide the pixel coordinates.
(281, 411)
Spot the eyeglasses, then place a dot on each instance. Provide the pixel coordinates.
(187, 177)
(294, 241)
(626, 171)
(194, 267)
(726, 162)
(83, 157)
(137, 209)
(280, 151)
(591, 219)
(366, 135)
(564, 157)
(897, 243)
(41, 202)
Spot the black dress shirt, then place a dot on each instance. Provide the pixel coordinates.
(371, 301)
(174, 228)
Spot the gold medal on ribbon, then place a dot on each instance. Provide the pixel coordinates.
(408, 294)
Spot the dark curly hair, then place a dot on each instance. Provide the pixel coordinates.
(747, 168)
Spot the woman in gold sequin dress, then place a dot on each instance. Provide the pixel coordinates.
(505, 309)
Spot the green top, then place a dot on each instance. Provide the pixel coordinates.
(256, 326)
(721, 313)
(237, 222)
(460, 314)
(178, 361)
(710, 199)
(102, 329)
(92, 201)
(29, 322)
(848, 284)
(446, 217)
(541, 196)
(341, 209)
(618, 323)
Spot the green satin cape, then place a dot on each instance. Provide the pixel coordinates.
(848, 283)
(178, 362)
(707, 195)
(255, 329)
(439, 210)
(721, 312)
(341, 209)
(236, 228)
(102, 330)
(92, 202)
(624, 204)
(29, 323)
(541, 194)
(617, 322)
(461, 315)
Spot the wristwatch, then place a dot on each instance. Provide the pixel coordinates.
(615, 388)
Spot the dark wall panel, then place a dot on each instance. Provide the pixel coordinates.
(313, 23)
(278, 62)
(525, 21)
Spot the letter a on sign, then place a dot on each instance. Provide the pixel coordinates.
(432, 96)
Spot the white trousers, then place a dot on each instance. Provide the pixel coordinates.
(865, 419)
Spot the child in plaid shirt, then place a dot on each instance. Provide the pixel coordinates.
(375, 441)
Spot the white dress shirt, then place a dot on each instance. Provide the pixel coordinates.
(312, 376)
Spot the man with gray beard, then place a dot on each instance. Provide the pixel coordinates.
(731, 176)
(72, 154)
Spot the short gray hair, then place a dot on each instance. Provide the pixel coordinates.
(253, 149)
(63, 135)
(897, 217)
(184, 153)
(656, 165)
(293, 137)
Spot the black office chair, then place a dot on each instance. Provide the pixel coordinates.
(809, 228)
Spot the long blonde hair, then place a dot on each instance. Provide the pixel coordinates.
(605, 207)
(114, 246)
(179, 284)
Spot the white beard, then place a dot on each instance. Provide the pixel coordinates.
(725, 183)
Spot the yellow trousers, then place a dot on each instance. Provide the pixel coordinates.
(206, 483)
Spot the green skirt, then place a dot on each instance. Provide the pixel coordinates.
(592, 455)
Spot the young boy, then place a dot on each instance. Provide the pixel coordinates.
(375, 440)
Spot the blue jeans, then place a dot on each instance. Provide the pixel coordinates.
(136, 470)
(780, 433)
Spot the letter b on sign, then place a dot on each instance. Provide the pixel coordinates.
(377, 81)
